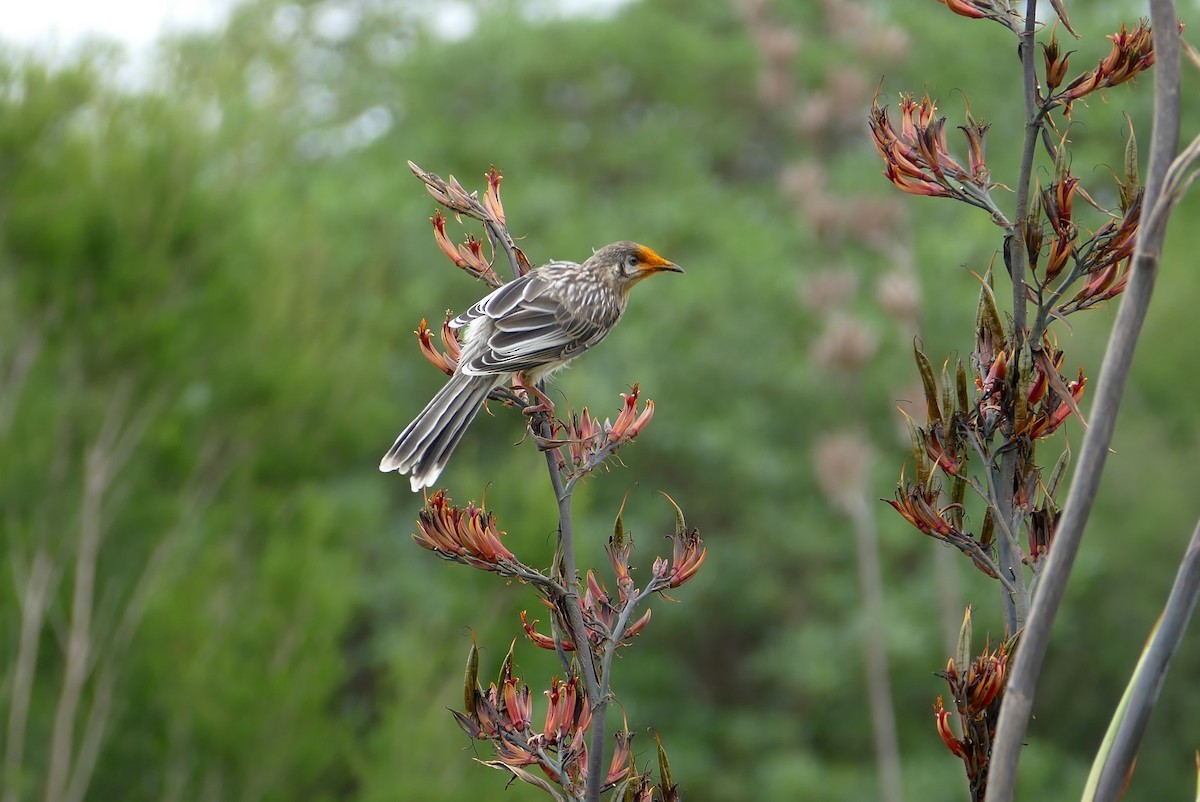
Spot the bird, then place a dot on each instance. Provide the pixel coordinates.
(525, 330)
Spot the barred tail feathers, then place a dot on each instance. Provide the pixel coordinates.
(425, 445)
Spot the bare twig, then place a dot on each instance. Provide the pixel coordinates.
(25, 354)
(105, 459)
(1018, 699)
(33, 593)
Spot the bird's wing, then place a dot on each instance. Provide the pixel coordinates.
(526, 327)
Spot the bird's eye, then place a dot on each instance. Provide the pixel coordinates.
(631, 261)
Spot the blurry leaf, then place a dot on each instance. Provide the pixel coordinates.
(1110, 735)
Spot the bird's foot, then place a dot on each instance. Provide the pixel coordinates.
(544, 403)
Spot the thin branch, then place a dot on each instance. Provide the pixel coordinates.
(596, 747)
(25, 355)
(1167, 637)
(574, 613)
(1018, 697)
(33, 594)
(105, 459)
(1007, 548)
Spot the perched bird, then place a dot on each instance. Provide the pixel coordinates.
(526, 330)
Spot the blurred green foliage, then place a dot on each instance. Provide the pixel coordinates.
(221, 273)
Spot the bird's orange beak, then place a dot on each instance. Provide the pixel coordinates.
(653, 263)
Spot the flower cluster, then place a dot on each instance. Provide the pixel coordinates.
(503, 715)
(1100, 261)
(468, 256)
(445, 361)
(1132, 52)
(958, 425)
(586, 442)
(1049, 409)
(1104, 260)
(976, 689)
(601, 614)
(917, 159)
(451, 194)
(462, 534)
(687, 555)
(607, 618)
(917, 504)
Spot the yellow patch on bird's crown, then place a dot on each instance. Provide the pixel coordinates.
(651, 259)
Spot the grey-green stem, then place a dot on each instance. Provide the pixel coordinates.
(1018, 696)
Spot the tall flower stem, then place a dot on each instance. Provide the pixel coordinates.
(574, 615)
(1018, 700)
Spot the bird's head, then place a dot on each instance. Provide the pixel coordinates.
(628, 263)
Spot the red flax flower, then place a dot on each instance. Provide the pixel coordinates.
(977, 689)
(976, 9)
(1131, 53)
(917, 159)
(589, 442)
(600, 616)
(942, 721)
(468, 535)
(468, 256)
(688, 554)
(445, 361)
(503, 715)
(982, 9)
(491, 199)
(1054, 410)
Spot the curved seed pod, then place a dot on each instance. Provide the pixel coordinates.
(506, 667)
(1056, 476)
(987, 535)
(962, 652)
(987, 318)
(929, 383)
(960, 385)
(664, 767)
(471, 676)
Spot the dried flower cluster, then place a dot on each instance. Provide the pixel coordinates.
(585, 442)
(445, 361)
(503, 715)
(1132, 52)
(469, 256)
(1099, 263)
(976, 690)
(608, 619)
(917, 158)
(462, 534)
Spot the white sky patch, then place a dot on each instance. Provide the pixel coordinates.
(54, 27)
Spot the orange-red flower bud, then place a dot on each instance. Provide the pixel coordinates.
(491, 198)
(942, 722)
(443, 362)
